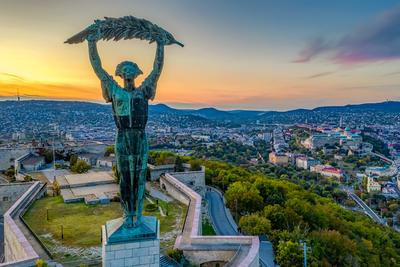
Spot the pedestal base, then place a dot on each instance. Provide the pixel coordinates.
(136, 247)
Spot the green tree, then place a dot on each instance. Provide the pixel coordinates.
(41, 263)
(48, 156)
(80, 166)
(335, 248)
(393, 207)
(56, 188)
(288, 253)
(254, 224)
(176, 254)
(195, 165)
(73, 159)
(115, 174)
(242, 197)
(109, 150)
(10, 173)
(179, 165)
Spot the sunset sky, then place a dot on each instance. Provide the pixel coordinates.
(266, 55)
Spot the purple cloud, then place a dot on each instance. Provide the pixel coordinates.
(313, 48)
(317, 75)
(378, 40)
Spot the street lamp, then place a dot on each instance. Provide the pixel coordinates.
(305, 248)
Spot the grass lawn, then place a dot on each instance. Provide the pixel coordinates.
(207, 228)
(82, 223)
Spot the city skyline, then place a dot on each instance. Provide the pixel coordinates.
(262, 56)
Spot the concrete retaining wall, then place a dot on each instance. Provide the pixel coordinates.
(196, 180)
(17, 249)
(157, 171)
(10, 193)
(235, 250)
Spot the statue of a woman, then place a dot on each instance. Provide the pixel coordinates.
(130, 111)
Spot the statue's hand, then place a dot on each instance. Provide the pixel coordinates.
(92, 37)
(94, 34)
(162, 38)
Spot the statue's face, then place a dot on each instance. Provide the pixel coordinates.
(128, 71)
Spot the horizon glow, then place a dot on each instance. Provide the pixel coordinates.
(262, 55)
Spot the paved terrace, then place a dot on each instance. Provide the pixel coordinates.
(235, 250)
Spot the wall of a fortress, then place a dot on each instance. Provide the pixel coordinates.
(17, 249)
(208, 256)
(157, 171)
(174, 191)
(196, 180)
(193, 244)
(10, 193)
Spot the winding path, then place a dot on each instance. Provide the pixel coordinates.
(219, 214)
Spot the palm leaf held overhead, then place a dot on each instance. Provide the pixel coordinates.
(127, 27)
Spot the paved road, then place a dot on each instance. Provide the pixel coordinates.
(366, 208)
(225, 225)
(218, 214)
(383, 157)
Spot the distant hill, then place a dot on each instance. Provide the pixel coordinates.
(235, 115)
(210, 113)
(388, 106)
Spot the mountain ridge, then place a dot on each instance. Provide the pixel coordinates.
(227, 115)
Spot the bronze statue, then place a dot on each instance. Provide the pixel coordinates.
(129, 103)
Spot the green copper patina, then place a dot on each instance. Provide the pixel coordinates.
(130, 109)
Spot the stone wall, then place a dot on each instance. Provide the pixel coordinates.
(17, 249)
(196, 180)
(234, 250)
(140, 253)
(157, 170)
(10, 193)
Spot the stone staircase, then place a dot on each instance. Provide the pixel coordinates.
(166, 261)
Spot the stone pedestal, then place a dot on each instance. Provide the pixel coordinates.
(136, 247)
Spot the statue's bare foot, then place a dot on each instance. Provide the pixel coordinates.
(128, 222)
(137, 223)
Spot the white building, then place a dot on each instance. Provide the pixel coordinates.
(306, 162)
(372, 185)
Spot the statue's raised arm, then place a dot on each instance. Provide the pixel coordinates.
(106, 80)
(149, 85)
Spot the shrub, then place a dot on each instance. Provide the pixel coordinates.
(56, 188)
(195, 165)
(80, 166)
(151, 207)
(41, 263)
(179, 165)
(27, 178)
(176, 254)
